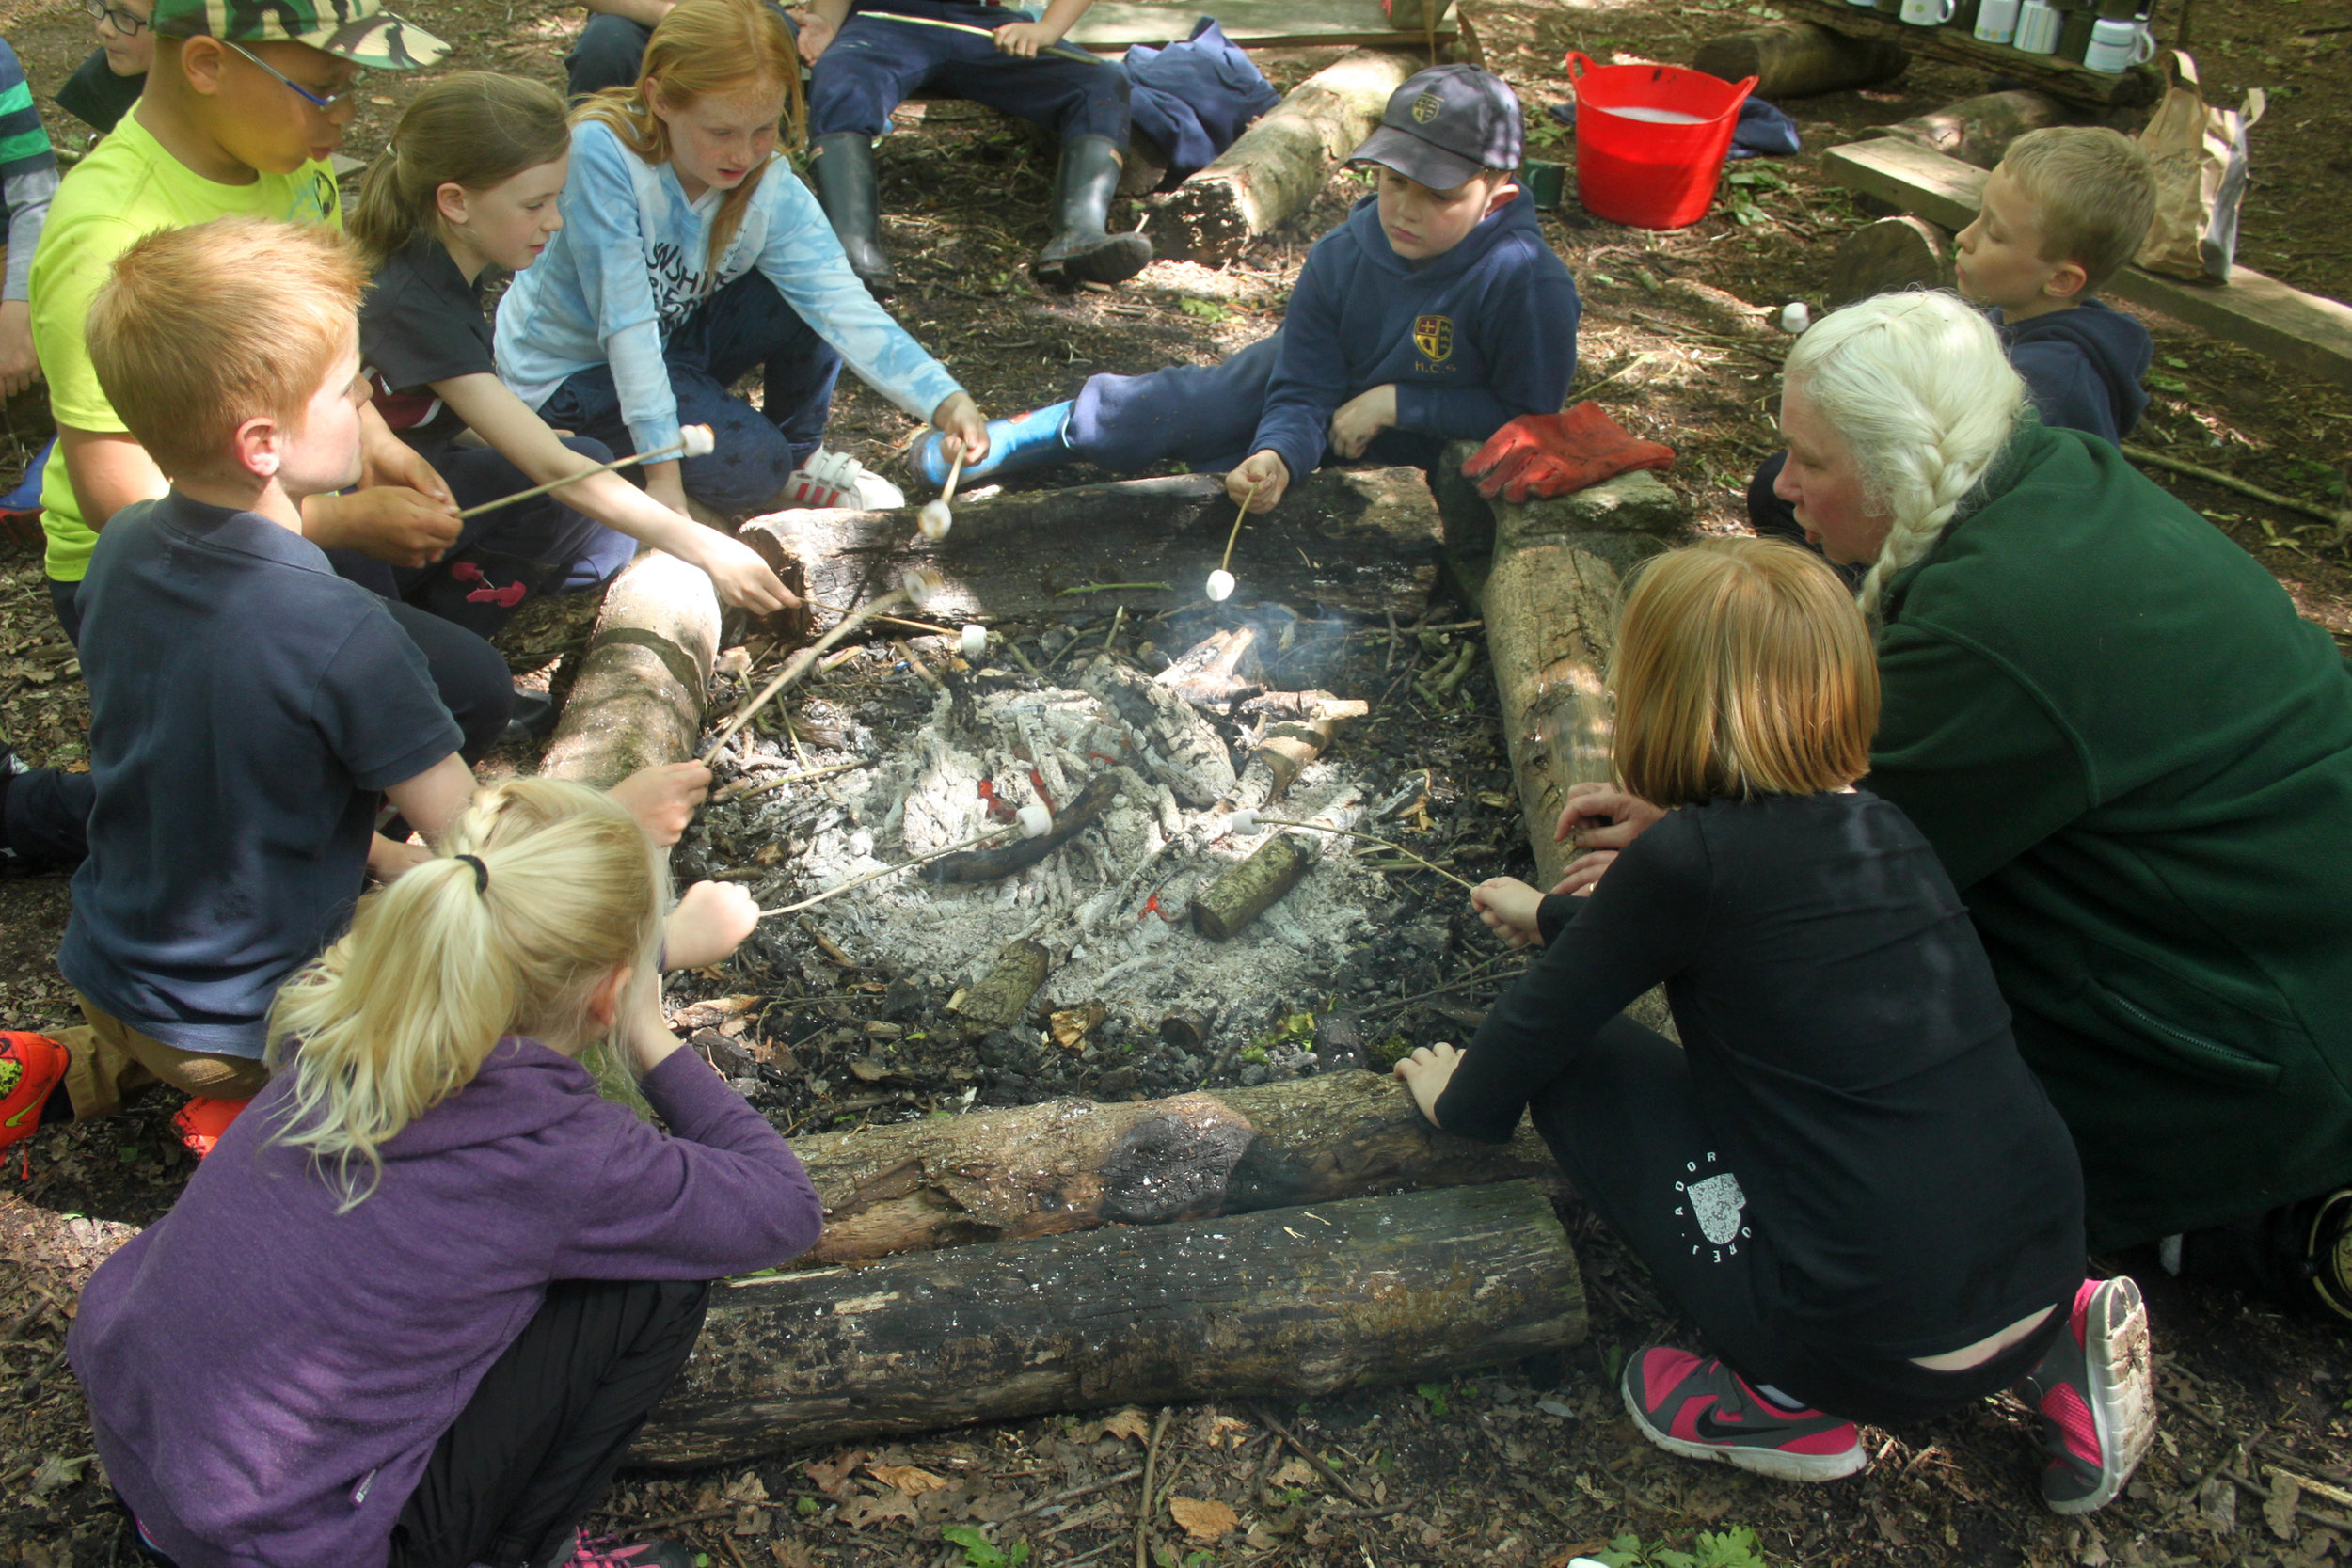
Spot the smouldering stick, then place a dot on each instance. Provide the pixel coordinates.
(694, 440)
(886, 871)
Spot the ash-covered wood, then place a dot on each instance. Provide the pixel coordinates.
(1360, 542)
(1067, 1165)
(1187, 1028)
(1226, 906)
(638, 700)
(1208, 671)
(1279, 164)
(1288, 1304)
(1306, 724)
(1001, 997)
(988, 865)
(1184, 749)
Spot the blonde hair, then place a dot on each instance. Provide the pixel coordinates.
(701, 49)
(1916, 387)
(2096, 193)
(474, 129)
(439, 966)
(199, 329)
(1742, 668)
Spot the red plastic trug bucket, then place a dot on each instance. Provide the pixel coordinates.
(1651, 140)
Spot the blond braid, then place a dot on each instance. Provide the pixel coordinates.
(1916, 386)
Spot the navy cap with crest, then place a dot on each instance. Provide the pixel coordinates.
(1444, 125)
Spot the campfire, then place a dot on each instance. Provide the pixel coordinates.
(1068, 831)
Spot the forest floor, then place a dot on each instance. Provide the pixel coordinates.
(1519, 1465)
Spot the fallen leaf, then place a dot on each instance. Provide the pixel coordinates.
(911, 1480)
(1203, 1520)
(1296, 1472)
(2277, 1510)
(57, 1472)
(747, 1488)
(831, 1478)
(858, 1512)
(1130, 1422)
(1071, 1028)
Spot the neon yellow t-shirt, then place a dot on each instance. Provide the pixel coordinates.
(129, 187)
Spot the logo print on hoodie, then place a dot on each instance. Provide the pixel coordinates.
(1434, 335)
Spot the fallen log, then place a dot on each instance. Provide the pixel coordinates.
(1073, 1164)
(639, 697)
(1800, 59)
(1551, 620)
(1362, 542)
(1003, 995)
(1279, 165)
(1900, 252)
(1225, 908)
(1290, 1304)
(1979, 130)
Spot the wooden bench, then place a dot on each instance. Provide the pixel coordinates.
(2308, 333)
(1109, 26)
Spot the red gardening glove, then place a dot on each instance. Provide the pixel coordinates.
(1551, 454)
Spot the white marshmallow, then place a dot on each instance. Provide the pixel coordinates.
(1794, 317)
(935, 519)
(1220, 585)
(974, 642)
(920, 583)
(1242, 824)
(700, 441)
(1036, 821)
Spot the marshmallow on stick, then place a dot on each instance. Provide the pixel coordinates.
(694, 440)
(935, 519)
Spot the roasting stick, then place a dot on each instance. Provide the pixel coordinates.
(886, 871)
(799, 664)
(1243, 823)
(935, 519)
(694, 440)
(1221, 580)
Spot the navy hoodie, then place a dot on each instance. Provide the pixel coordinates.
(2083, 367)
(1473, 338)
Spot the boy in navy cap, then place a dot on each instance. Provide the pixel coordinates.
(1435, 313)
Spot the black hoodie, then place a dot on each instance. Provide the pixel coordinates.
(2083, 367)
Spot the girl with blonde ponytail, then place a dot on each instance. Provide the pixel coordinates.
(469, 188)
(1841, 1172)
(442, 1279)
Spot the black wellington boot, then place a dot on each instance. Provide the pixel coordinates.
(1083, 250)
(842, 165)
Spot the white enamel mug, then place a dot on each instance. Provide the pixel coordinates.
(2038, 28)
(2117, 45)
(1996, 21)
(1928, 13)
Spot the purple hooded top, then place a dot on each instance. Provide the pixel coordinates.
(267, 1377)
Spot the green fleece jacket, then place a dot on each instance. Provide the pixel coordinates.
(2135, 761)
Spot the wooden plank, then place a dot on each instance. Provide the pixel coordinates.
(1111, 25)
(2305, 332)
(2060, 78)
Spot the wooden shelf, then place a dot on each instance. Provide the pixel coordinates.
(2137, 87)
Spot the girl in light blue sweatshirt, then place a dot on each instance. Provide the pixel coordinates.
(690, 254)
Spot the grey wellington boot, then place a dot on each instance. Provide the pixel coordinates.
(843, 166)
(1083, 249)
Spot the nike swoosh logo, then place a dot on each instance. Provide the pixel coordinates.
(1712, 1430)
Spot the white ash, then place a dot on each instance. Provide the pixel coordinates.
(1087, 902)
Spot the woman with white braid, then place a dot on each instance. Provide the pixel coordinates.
(2134, 760)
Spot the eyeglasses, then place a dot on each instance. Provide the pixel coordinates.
(323, 104)
(129, 24)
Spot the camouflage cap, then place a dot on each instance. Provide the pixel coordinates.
(361, 31)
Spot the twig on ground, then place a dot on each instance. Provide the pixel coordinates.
(799, 665)
(1151, 1464)
(2341, 517)
(886, 871)
(1383, 842)
(1273, 1423)
(1073, 1493)
(744, 789)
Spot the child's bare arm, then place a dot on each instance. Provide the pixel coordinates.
(1026, 37)
(110, 470)
(430, 802)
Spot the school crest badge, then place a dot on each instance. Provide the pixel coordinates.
(1426, 107)
(1434, 335)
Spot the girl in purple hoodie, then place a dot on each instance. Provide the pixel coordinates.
(414, 1304)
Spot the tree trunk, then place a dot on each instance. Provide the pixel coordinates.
(1798, 59)
(1071, 1164)
(1360, 542)
(1979, 130)
(1900, 252)
(1551, 619)
(1279, 164)
(639, 697)
(1288, 1304)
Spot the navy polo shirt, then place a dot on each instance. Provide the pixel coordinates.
(247, 708)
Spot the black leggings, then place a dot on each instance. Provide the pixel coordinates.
(1622, 1123)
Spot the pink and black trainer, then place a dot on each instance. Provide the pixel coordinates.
(604, 1552)
(1702, 1409)
(2094, 1397)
